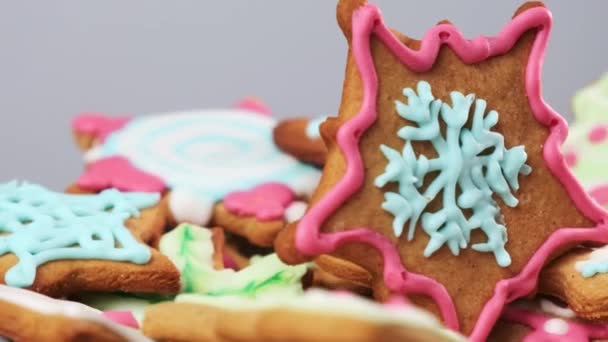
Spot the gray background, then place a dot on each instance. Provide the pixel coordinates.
(59, 58)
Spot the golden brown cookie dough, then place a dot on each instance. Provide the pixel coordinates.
(588, 297)
(202, 322)
(290, 136)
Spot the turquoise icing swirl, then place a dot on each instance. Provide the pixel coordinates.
(472, 165)
(39, 226)
(209, 153)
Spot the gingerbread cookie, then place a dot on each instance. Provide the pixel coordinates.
(91, 129)
(301, 138)
(587, 145)
(28, 316)
(259, 214)
(337, 274)
(434, 177)
(531, 322)
(60, 244)
(579, 278)
(336, 317)
(198, 157)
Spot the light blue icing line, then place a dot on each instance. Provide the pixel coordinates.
(40, 226)
(255, 159)
(472, 165)
(591, 268)
(312, 129)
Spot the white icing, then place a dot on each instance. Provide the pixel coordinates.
(553, 309)
(295, 211)
(187, 207)
(326, 302)
(556, 326)
(95, 153)
(49, 306)
(211, 153)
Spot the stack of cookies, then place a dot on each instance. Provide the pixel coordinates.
(437, 205)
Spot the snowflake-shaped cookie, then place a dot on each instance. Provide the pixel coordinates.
(40, 226)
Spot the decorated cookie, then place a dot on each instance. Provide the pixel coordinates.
(60, 244)
(29, 316)
(336, 317)
(152, 221)
(529, 322)
(192, 250)
(91, 129)
(579, 278)
(586, 148)
(128, 308)
(444, 177)
(198, 157)
(337, 274)
(301, 138)
(259, 213)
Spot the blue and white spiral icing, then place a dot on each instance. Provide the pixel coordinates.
(208, 154)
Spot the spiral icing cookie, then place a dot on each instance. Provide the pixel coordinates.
(60, 244)
(23, 313)
(336, 317)
(259, 214)
(199, 156)
(434, 177)
(586, 148)
(301, 138)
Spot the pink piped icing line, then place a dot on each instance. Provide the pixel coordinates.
(538, 322)
(99, 125)
(311, 241)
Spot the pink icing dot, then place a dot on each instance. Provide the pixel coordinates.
(117, 172)
(266, 202)
(125, 318)
(571, 158)
(598, 134)
(229, 263)
(98, 125)
(254, 105)
(600, 194)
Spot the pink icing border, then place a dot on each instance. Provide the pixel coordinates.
(99, 125)
(536, 321)
(367, 21)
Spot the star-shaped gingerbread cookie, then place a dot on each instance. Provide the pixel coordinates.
(444, 177)
(61, 244)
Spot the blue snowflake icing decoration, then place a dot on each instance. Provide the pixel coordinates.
(472, 165)
(39, 226)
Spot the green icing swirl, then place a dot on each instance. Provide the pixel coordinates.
(191, 250)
